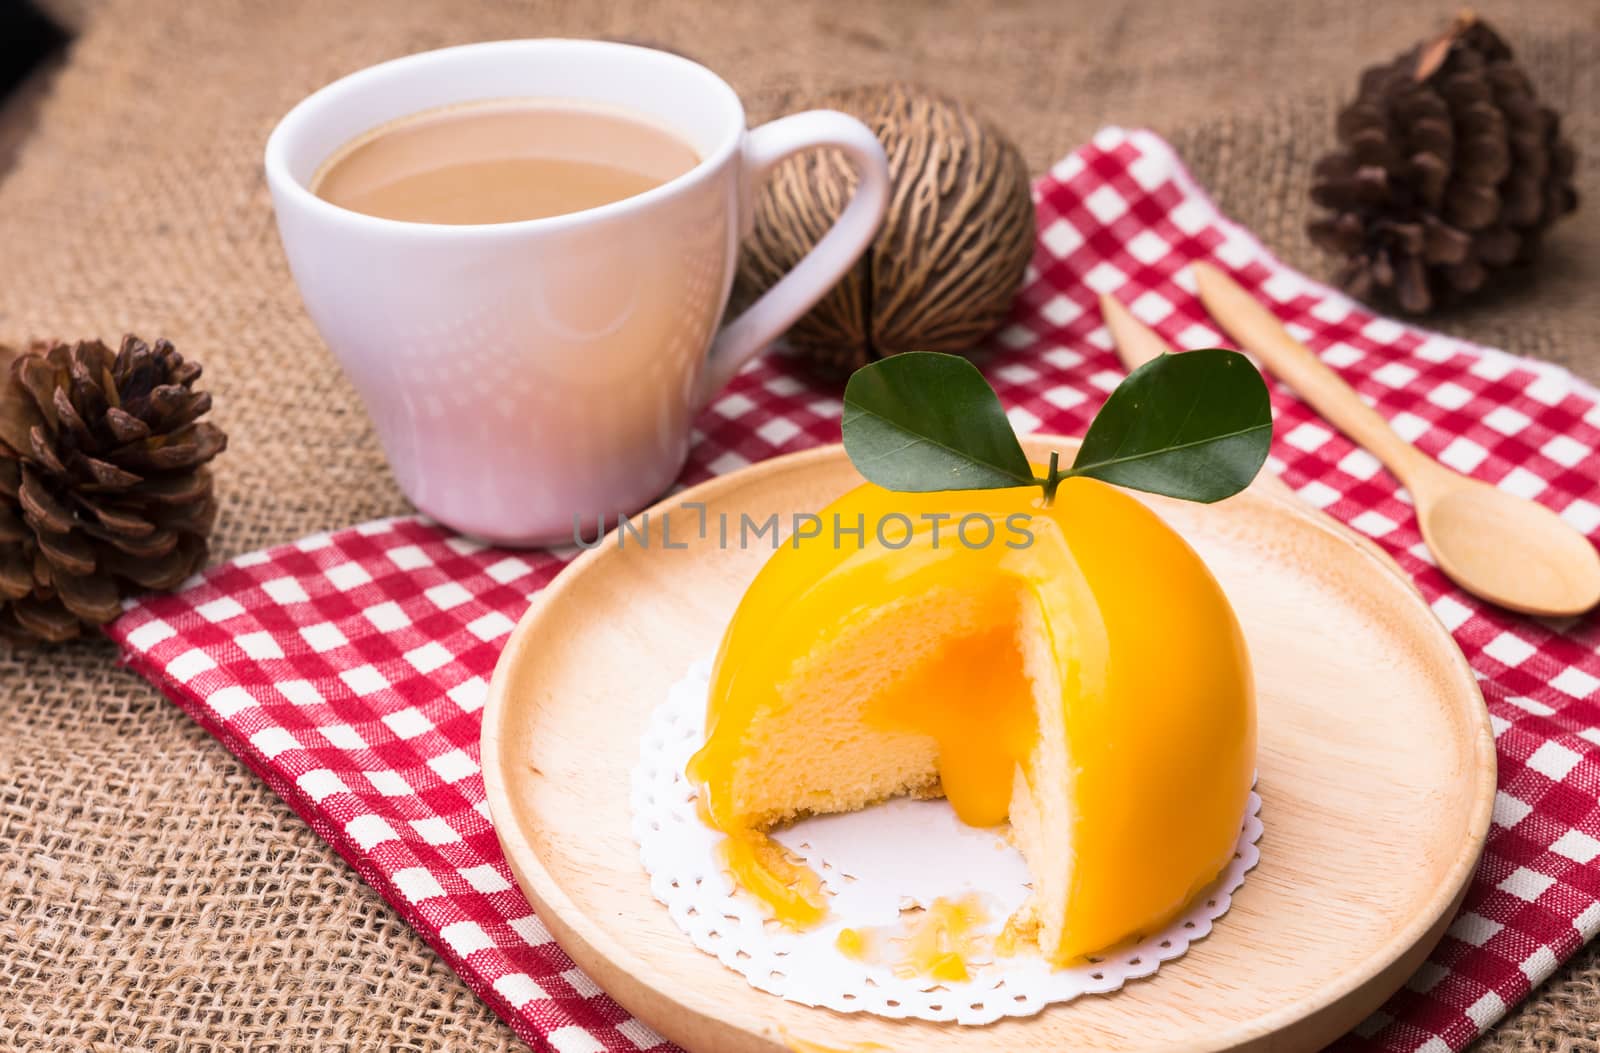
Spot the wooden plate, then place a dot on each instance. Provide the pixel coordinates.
(1377, 771)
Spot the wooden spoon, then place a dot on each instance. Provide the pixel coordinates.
(1497, 546)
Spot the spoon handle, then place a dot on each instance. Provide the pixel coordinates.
(1257, 330)
(1136, 343)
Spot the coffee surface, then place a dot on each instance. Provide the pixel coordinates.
(500, 162)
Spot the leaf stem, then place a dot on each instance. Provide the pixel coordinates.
(1053, 477)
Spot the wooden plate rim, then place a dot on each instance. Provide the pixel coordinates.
(551, 900)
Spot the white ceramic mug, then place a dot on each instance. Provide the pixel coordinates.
(525, 378)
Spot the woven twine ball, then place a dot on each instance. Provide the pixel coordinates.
(942, 272)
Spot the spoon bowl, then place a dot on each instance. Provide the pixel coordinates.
(1517, 553)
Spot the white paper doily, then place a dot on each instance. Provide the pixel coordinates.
(874, 863)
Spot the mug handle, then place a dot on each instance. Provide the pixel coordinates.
(795, 293)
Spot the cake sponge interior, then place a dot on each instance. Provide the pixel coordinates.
(948, 690)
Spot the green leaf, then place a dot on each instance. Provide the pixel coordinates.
(1195, 425)
(921, 421)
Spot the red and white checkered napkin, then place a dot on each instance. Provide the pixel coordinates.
(348, 669)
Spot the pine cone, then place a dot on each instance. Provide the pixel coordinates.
(103, 489)
(1448, 171)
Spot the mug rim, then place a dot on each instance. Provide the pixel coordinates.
(281, 180)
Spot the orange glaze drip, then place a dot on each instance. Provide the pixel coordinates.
(801, 1045)
(977, 705)
(853, 944)
(942, 941)
(939, 943)
(764, 868)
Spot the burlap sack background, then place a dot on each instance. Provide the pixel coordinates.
(153, 894)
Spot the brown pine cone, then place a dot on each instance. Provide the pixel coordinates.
(1448, 171)
(103, 489)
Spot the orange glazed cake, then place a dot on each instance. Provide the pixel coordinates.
(1091, 688)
